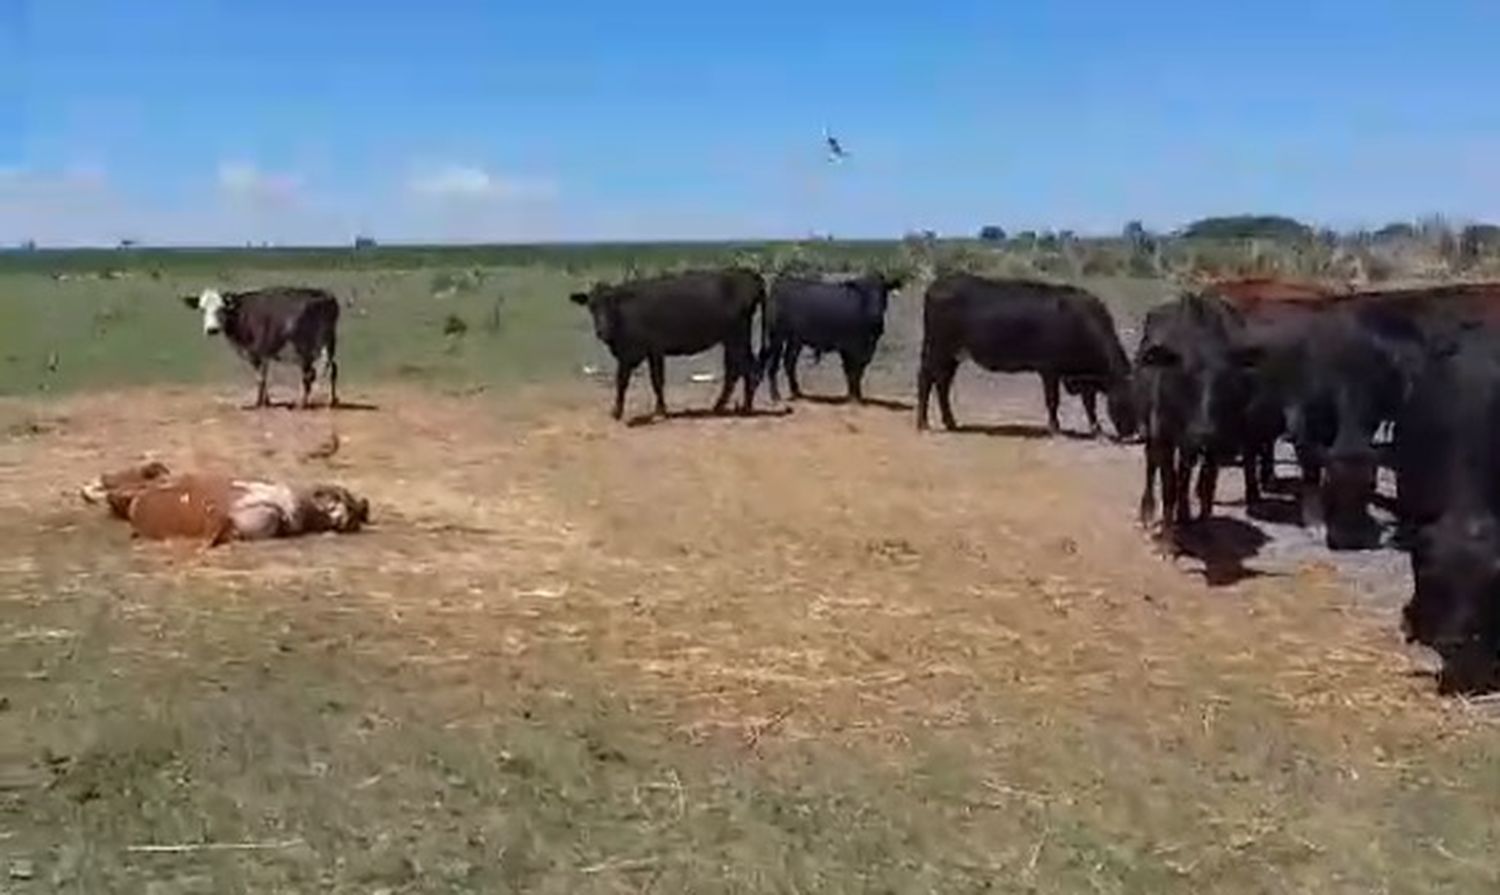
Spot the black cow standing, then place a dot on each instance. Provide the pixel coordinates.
(1195, 384)
(846, 316)
(262, 323)
(679, 314)
(1448, 493)
(1061, 332)
(1338, 374)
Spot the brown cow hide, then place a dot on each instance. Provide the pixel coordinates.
(215, 509)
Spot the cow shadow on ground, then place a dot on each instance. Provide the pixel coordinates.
(878, 403)
(704, 414)
(340, 407)
(1279, 510)
(1223, 545)
(1017, 430)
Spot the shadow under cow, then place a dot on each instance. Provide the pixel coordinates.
(1223, 545)
(705, 415)
(841, 400)
(1017, 430)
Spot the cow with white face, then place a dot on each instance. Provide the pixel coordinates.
(211, 303)
(262, 323)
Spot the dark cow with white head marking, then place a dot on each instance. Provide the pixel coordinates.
(262, 323)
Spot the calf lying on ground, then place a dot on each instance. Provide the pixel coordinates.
(215, 509)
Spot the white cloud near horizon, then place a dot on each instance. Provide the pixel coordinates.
(244, 181)
(474, 183)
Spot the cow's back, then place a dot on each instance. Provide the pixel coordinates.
(686, 313)
(266, 320)
(1018, 325)
(826, 314)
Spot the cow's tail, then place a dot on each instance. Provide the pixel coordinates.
(763, 305)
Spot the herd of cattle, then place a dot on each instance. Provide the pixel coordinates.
(1220, 375)
(1408, 379)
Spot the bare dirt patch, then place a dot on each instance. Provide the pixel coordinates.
(968, 623)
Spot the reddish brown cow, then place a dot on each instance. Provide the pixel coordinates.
(214, 509)
(1249, 293)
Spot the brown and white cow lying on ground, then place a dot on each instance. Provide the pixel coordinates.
(214, 509)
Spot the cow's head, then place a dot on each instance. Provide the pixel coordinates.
(337, 509)
(1349, 464)
(600, 300)
(215, 308)
(1123, 407)
(1455, 606)
(1209, 388)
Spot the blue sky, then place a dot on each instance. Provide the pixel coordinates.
(221, 121)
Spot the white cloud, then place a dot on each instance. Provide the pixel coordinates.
(243, 181)
(472, 183)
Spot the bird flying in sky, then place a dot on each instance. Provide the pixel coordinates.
(836, 151)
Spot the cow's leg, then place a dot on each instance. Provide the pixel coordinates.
(731, 376)
(854, 373)
(658, 367)
(1051, 394)
(749, 375)
(1252, 463)
(624, 369)
(1171, 485)
(770, 357)
(1208, 485)
(924, 393)
(262, 390)
(1182, 511)
(1090, 399)
(309, 376)
(793, 351)
(333, 373)
(1311, 484)
(1147, 513)
(945, 376)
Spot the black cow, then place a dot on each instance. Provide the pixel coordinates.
(1195, 383)
(678, 314)
(262, 323)
(845, 316)
(1448, 492)
(1335, 373)
(1061, 332)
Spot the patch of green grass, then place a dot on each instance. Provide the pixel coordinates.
(63, 335)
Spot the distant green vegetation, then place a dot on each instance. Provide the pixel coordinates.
(466, 316)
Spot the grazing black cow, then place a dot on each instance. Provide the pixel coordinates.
(262, 323)
(845, 316)
(1194, 388)
(679, 314)
(1334, 373)
(1061, 332)
(1448, 492)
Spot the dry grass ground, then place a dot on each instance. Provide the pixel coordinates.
(812, 652)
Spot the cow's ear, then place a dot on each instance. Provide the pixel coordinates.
(1159, 356)
(191, 301)
(579, 298)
